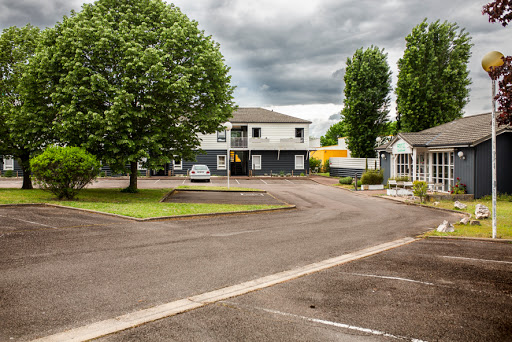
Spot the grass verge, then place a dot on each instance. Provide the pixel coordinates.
(504, 220)
(144, 204)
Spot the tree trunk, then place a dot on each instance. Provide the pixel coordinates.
(134, 172)
(25, 166)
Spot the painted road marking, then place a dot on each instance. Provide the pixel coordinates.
(473, 259)
(40, 224)
(234, 233)
(288, 181)
(263, 181)
(237, 181)
(391, 278)
(133, 319)
(158, 180)
(324, 322)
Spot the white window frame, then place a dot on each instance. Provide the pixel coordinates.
(254, 165)
(256, 129)
(222, 165)
(176, 165)
(300, 165)
(8, 163)
(222, 136)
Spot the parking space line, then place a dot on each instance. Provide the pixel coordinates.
(263, 181)
(32, 222)
(158, 180)
(289, 181)
(325, 322)
(473, 259)
(136, 318)
(237, 181)
(183, 181)
(391, 278)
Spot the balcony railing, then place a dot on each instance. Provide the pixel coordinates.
(239, 142)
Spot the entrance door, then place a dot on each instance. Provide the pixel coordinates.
(239, 163)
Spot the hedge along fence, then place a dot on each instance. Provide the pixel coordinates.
(349, 167)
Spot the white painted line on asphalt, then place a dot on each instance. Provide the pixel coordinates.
(391, 278)
(237, 181)
(473, 259)
(234, 233)
(183, 181)
(40, 224)
(289, 181)
(158, 180)
(263, 181)
(335, 324)
(133, 319)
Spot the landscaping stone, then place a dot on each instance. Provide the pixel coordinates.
(436, 204)
(445, 227)
(464, 220)
(475, 223)
(459, 205)
(482, 212)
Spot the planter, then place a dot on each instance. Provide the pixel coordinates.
(372, 187)
(399, 192)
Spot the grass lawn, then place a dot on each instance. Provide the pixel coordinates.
(504, 220)
(143, 204)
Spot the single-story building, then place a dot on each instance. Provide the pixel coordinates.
(457, 149)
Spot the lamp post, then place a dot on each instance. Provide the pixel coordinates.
(228, 125)
(493, 59)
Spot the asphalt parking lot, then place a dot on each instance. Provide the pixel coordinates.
(64, 269)
(431, 290)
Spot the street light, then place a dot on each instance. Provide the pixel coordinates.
(228, 125)
(493, 59)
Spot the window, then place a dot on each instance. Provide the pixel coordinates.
(221, 162)
(256, 132)
(299, 133)
(256, 162)
(8, 163)
(442, 167)
(299, 162)
(221, 136)
(403, 165)
(178, 164)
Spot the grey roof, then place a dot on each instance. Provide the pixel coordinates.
(260, 115)
(469, 130)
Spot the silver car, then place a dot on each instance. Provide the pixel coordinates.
(200, 172)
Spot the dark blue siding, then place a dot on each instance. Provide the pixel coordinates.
(17, 172)
(385, 165)
(209, 159)
(286, 162)
(344, 172)
(465, 168)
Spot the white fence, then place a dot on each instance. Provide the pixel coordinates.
(354, 163)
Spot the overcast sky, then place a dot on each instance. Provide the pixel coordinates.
(289, 55)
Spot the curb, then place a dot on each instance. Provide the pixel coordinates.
(468, 239)
(425, 206)
(160, 218)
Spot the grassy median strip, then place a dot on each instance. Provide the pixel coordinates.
(504, 220)
(144, 204)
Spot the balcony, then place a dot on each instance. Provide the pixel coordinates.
(239, 142)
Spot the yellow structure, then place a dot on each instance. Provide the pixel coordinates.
(326, 152)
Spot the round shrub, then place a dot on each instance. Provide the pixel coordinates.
(64, 171)
(346, 180)
(372, 177)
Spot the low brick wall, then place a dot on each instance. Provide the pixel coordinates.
(450, 197)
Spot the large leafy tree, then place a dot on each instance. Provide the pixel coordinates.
(433, 78)
(16, 47)
(334, 132)
(501, 11)
(367, 87)
(132, 80)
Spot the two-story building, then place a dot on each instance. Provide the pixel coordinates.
(261, 142)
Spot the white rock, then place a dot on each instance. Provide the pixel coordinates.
(459, 205)
(481, 212)
(445, 227)
(436, 204)
(464, 220)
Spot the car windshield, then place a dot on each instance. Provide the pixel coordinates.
(200, 167)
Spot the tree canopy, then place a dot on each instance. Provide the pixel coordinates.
(501, 11)
(18, 136)
(334, 132)
(433, 78)
(367, 87)
(131, 80)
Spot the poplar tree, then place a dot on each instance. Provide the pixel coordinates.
(367, 87)
(433, 78)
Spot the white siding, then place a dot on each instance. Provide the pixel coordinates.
(209, 142)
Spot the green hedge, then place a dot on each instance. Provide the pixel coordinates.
(346, 180)
(372, 177)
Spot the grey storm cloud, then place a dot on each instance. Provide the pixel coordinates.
(289, 52)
